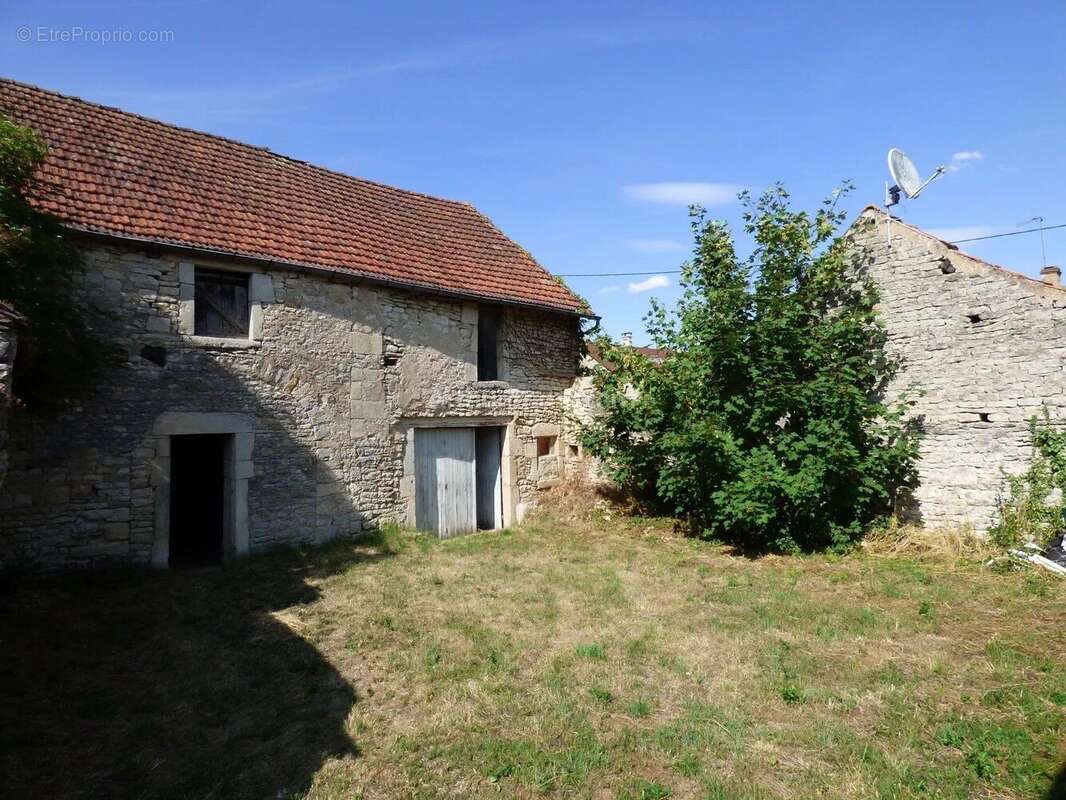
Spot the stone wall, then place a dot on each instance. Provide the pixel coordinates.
(8, 347)
(332, 380)
(985, 346)
(580, 407)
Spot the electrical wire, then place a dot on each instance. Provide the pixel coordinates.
(678, 272)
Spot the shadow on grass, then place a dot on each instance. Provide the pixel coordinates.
(1057, 791)
(170, 685)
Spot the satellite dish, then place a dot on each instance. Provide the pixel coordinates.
(903, 172)
(906, 177)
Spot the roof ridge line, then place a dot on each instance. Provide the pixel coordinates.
(232, 141)
(983, 262)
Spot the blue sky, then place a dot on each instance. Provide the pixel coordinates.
(583, 129)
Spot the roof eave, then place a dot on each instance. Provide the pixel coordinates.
(322, 269)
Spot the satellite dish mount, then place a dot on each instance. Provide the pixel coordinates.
(906, 178)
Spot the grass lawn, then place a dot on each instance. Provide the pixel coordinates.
(606, 658)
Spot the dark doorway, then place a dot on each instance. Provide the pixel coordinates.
(488, 462)
(197, 499)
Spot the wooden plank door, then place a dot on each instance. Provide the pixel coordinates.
(445, 481)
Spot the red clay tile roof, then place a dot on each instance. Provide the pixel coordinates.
(112, 172)
(654, 354)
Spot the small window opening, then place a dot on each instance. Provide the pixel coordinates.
(488, 334)
(984, 416)
(545, 445)
(157, 355)
(574, 451)
(974, 317)
(221, 304)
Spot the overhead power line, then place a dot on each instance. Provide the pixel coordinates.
(678, 272)
(1009, 233)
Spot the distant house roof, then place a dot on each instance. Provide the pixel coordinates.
(654, 354)
(119, 174)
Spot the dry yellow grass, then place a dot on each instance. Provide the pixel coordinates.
(588, 654)
(948, 542)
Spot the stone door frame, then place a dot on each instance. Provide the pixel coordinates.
(408, 425)
(237, 469)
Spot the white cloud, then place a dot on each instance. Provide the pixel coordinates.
(611, 289)
(964, 158)
(684, 193)
(656, 245)
(654, 282)
(962, 232)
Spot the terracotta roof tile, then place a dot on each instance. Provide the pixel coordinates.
(112, 172)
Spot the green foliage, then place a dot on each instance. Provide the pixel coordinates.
(764, 426)
(645, 790)
(1029, 513)
(600, 694)
(639, 708)
(593, 651)
(38, 265)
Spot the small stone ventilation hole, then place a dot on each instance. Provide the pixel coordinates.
(974, 317)
(984, 416)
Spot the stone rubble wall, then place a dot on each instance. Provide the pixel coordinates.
(985, 346)
(334, 373)
(8, 348)
(580, 406)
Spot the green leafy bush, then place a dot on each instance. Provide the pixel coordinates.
(764, 425)
(38, 264)
(1032, 510)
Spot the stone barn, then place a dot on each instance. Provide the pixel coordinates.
(306, 354)
(983, 348)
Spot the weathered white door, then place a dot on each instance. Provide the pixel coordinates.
(445, 495)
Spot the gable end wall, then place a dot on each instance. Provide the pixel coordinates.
(1006, 365)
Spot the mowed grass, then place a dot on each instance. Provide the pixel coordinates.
(600, 658)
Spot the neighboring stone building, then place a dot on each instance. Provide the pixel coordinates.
(307, 354)
(581, 406)
(987, 349)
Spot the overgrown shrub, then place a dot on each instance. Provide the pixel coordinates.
(38, 264)
(1033, 510)
(764, 425)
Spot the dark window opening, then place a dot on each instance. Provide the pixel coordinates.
(221, 304)
(197, 499)
(574, 451)
(545, 445)
(157, 355)
(984, 416)
(974, 317)
(488, 334)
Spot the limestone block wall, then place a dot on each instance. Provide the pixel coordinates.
(331, 380)
(986, 346)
